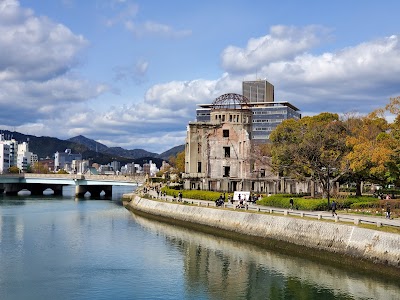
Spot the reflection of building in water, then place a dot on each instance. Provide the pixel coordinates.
(230, 270)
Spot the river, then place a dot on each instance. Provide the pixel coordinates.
(64, 248)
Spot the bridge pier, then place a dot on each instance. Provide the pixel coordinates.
(80, 190)
(13, 188)
(57, 189)
(94, 190)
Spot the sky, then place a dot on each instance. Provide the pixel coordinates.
(130, 73)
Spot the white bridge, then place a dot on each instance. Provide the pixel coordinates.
(37, 183)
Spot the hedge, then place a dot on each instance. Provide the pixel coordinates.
(280, 200)
(195, 194)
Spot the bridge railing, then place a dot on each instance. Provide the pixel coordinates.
(123, 178)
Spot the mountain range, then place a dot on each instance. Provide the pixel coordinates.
(90, 149)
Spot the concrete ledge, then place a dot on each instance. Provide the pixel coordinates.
(372, 245)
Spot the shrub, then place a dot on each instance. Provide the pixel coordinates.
(194, 194)
(305, 203)
(361, 205)
(282, 201)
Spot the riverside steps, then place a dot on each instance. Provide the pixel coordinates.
(347, 241)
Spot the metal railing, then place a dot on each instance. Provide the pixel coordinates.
(287, 212)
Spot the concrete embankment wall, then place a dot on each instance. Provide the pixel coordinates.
(376, 246)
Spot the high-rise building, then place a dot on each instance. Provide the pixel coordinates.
(24, 156)
(258, 91)
(4, 157)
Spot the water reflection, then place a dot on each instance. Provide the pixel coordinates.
(227, 269)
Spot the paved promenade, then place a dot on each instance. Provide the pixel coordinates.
(323, 215)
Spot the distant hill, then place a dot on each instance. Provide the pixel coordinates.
(91, 144)
(113, 151)
(45, 146)
(171, 152)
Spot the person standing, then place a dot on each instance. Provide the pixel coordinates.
(333, 206)
(291, 203)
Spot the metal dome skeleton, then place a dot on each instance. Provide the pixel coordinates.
(230, 101)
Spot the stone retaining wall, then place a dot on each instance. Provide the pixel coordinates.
(375, 246)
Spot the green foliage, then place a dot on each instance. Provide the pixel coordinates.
(368, 204)
(157, 179)
(194, 194)
(281, 200)
(62, 171)
(312, 147)
(13, 170)
(299, 203)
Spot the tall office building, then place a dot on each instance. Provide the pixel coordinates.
(258, 91)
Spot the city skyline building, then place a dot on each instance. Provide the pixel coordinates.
(258, 91)
(4, 157)
(63, 160)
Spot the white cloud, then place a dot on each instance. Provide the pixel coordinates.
(126, 13)
(36, 61)
(137, 72)
(154, 28)
(35, 48)
(282, 43)
(175, 94)
(355, 74)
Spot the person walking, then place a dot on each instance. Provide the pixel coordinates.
(387, 211)
(333, 206)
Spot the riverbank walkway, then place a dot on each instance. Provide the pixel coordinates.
(341, 216)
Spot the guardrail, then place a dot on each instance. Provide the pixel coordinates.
(272, 210)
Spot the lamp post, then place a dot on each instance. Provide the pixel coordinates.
(328, 186)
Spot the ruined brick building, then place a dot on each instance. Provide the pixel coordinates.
(220, 150)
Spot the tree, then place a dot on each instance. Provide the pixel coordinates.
(177, 162)
(14, 170)
(180, 162)
(39, 167)
(368, 149)
(312, 147)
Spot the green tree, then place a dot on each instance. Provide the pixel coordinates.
(312, 147)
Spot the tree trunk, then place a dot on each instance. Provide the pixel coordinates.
(358, 189)
(312, 189)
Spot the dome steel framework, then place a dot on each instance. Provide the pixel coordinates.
(231, 101)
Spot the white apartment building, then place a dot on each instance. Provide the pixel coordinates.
(4, 157)
(24, 157)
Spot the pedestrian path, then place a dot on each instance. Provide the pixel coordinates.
(322, 215)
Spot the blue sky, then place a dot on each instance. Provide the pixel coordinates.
(130, 73)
